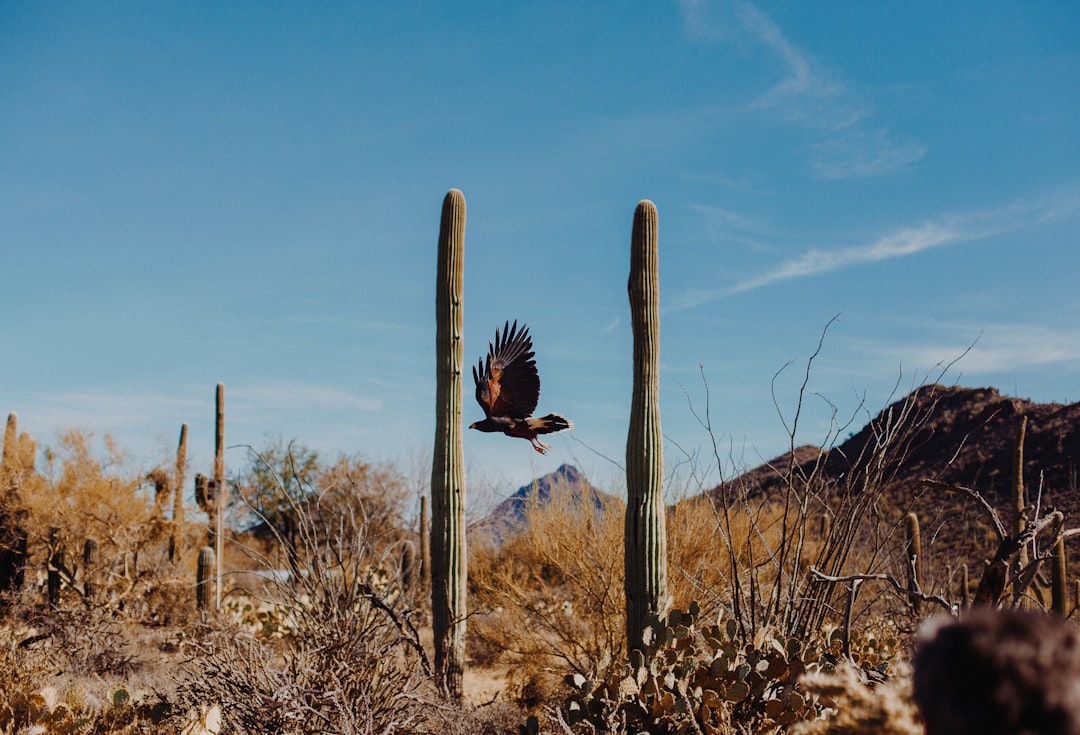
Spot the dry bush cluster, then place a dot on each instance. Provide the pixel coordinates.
(794, 597)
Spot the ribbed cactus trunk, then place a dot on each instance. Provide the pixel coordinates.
(204, 579)
(1059, 583)
(222, 492)
(645, 555)
(176, 541)
(448, 561)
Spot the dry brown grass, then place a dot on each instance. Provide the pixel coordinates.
(549, 599)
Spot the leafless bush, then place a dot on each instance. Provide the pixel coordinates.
(335, 651)
(783, 535)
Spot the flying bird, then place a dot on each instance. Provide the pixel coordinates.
(508, 388)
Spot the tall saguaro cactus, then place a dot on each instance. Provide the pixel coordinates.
(645, 551)
(448, 561)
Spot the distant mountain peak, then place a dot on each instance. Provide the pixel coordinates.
(509, 516)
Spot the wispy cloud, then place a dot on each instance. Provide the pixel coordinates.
(808, 94)
(815, 261)
(981, 349)
(907, 241)
(948, 230)
(288, 396)
(862, 154)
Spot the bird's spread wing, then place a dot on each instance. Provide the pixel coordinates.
(507, 383)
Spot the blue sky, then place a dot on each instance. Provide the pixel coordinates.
(249, 193)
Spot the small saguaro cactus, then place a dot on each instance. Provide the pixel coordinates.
(222, 491)
(965, 588)
(204, 579)
(1059, 584)
(1019, 499)
(914, 555)
(407, 564)
(13, 535)
(55, 567)
(91, 550)
(645, 552)
(176, 541)
(449, 570)
(425, 542)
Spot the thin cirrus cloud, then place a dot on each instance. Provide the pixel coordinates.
(982, 350)
(948, 230)
(808, 95)
(908, 241)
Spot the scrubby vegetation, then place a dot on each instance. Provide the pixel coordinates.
(795, 597)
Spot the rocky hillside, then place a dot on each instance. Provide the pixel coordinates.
(567, 483)
(959, 436)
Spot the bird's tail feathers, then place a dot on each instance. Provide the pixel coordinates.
(550, 424)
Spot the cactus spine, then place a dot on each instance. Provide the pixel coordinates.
(914, 554)
(204, 577)
(449, 570)
(645, 554)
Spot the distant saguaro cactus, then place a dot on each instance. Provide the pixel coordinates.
(1019, 499)
(222, 492)
(914, 555)
(965, 588)
(11, 442)
(425, 542)
(407, 564)
(449, 569)
(204, 578)
(16, 459)
(54, 568)
(645, 553)
(91, 550)
(1059, 584)
(176, 541)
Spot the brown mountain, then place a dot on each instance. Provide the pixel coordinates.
(566, 484)
(959, 436)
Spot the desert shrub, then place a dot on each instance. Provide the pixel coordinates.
(286, 481)
(548, 595)
(79, 496)
(332, 648)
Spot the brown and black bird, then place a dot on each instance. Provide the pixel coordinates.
(508, 388)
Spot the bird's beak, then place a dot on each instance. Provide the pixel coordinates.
(472, 426)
